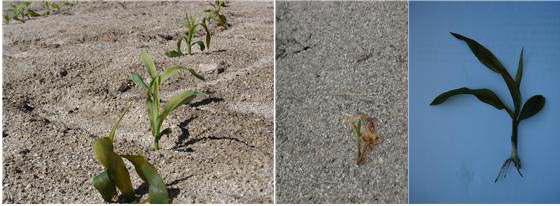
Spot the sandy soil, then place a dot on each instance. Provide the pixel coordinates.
(65, 79)
(336, 59)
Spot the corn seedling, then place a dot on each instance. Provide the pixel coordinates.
(20, 12)
(530, 108)
(115, 174)
(155, 115)
(191, 26)
(364, 132)
(215, 14)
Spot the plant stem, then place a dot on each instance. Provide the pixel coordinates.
(156, 145)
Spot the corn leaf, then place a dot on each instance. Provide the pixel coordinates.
(489, 60)
(175, 102)
(113, 164)
(152, 115)
(105, 186)
(484, 95)
(169, 72)
(482, 54)
(519, 74)
(172, 54)
(32, 13)
(149, 63)
(116, 123)
(138, 81)
(532, 107)
(205, 27)
(200, 45)
(147, 172)
(164, 132)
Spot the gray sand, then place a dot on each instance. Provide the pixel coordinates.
(335, 59)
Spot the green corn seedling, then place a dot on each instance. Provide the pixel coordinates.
(215, 14)
(20, 12)
(530, 108)
(191, 26)
(115, 175)
(155, 115)
(51, 7)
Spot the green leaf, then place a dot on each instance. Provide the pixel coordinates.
(166, 131)
(116, 123)
(172, 54)
(482, 54)
(152, 115)
(208, 34)
(169, 72)
(105, 186)
(149, 63)
(148, 173)
(175, 102)
(519, 73)
(137, 79)
(484, 95)
(200, 45)
(489, 60)
(532, 107)
(179, 45)
(32, 13)
(113, 164)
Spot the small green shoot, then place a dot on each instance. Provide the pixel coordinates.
(157, 116)
(115, 175)
(215, 14)
(530, 108)
(191, 26)
(51, 7)
(20, 12)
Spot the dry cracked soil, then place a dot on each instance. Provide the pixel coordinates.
(65, 79)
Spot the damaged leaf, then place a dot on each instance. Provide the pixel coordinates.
(364, 132)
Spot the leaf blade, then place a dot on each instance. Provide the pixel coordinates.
(483, 55)
(169, 72)
(114, 165)
(485, 95)
(175, 102)
(149, 64)
(105, 186)
(519, 74)
(532, 107)
(138, 81)
(147, 172)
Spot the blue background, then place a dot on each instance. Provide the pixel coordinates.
(457, 148)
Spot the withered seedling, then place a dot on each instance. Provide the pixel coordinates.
(365, 134)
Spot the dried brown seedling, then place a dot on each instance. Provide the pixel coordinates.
(364, 132)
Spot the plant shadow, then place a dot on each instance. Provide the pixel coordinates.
(206, 101)
(143, 189)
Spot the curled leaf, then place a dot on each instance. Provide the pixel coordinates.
(364, 132)
(105, 186)
(148, 173)
(200, 45)
(532, 107)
